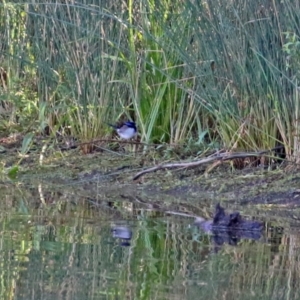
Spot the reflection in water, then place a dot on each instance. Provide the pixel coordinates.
(64, 250)
(123, 233)
(229, 228)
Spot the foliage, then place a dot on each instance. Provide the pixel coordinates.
(228, 68)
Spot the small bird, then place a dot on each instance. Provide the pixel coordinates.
(126, 130)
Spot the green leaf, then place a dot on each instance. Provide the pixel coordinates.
(27, 141)
(13, 172)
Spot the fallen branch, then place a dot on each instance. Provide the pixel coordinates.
(215, 157)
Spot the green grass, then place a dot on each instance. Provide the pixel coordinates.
(223, 71)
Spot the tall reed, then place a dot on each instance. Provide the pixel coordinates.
(180, 69)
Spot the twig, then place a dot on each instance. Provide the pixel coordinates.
(218, 157)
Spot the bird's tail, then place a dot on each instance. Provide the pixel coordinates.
(111, 125)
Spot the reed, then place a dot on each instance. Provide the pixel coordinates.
(228, 69)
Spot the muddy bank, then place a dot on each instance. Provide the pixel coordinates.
(113, 173)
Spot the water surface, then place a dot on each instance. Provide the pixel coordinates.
(58, 243)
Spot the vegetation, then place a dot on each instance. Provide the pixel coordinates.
(188, 72)
(200, 74)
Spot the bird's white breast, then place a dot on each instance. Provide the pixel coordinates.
(126, 133)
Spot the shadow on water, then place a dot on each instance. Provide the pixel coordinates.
(64, 244)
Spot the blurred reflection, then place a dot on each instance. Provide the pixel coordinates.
(123, 233)
(229, 228)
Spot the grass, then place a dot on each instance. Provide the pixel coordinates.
(224, 72)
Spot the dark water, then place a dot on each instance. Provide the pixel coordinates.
(61, 245)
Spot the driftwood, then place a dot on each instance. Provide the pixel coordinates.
(212, 158)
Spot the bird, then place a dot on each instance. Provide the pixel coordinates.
(126, 130)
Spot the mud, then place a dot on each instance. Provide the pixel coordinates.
(109, 175)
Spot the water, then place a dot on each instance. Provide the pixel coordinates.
(60, 244)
